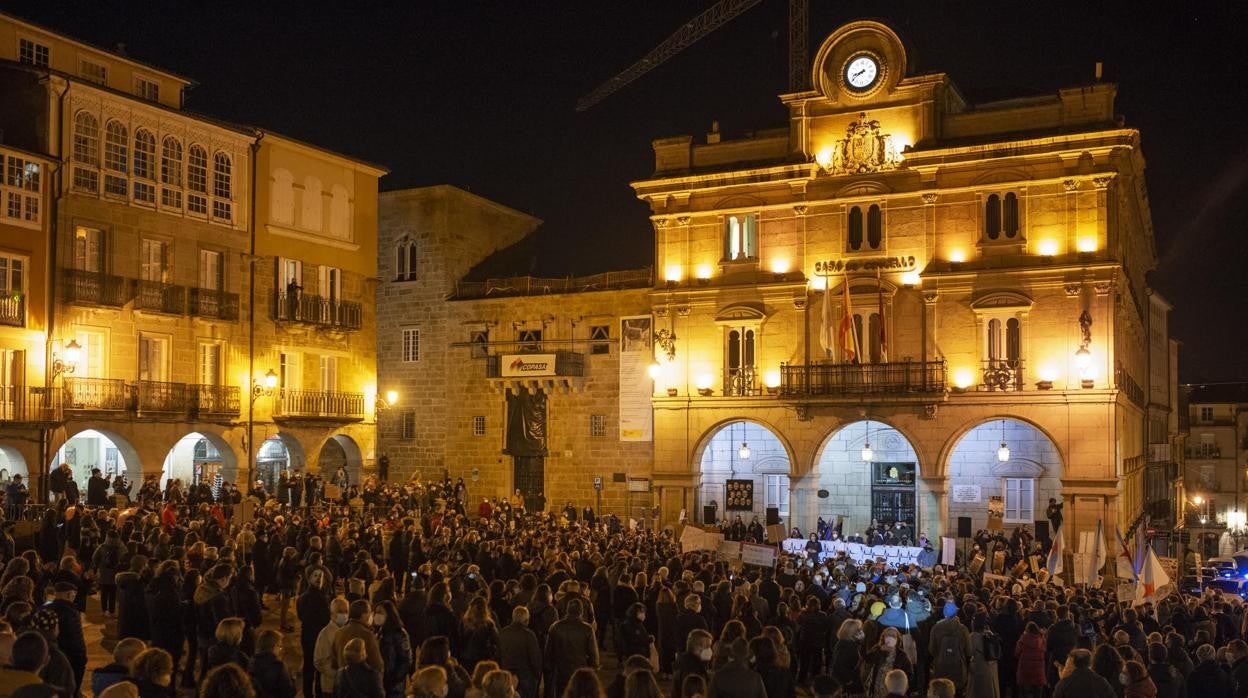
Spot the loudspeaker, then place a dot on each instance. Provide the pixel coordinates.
(1042, 531)
(773, 516)
(964, 527)
(708, 515)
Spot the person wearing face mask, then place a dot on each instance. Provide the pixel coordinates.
(694, 661)
(883, 658)
(396, 648)
(635, 639)
(846, 655)
(323, 651)
(356, 678)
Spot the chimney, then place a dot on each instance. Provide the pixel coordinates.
(1099, 70)
(713, 136)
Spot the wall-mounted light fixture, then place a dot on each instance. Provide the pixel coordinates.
(390, 400)
(265, 386)
(67, 363)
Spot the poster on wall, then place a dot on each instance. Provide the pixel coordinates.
(739, 495)
(996, 514)
(966, 494)
(636, 355)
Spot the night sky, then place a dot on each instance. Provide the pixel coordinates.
(480, 95)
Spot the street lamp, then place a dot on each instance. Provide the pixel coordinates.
(390, 400)
(67, 364)
(265, 387)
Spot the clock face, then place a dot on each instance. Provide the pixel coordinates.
(861, 72)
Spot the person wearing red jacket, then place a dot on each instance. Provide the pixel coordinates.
(169, 517)
(1029, 652)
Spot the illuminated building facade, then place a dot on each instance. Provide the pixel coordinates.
(148, 308)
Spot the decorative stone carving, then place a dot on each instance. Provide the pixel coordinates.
(929, 411)
(799, 303)
(1070, 184)
(929, 297)
(660, 223)
(929, 198)
(683, 220)
(1103, 288)
(803, 413)
(1072, 290)
(1101, 182)
(864, 149)
(799, 209)
(682, 311)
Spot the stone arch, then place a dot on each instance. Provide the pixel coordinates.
(1002, 175)
(865, 187)
(97, 448)
(340, 450)
(187, 459)
(1025, 473)
(769, 466)
(13, 463)
(279, 452)
(946, 449)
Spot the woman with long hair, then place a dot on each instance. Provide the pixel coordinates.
(396, 648)
(777, 679)
(665, 622)
(883, 658)
(480, 635)
(436, 651)
(583, 683)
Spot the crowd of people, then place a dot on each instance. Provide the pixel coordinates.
(423, 596)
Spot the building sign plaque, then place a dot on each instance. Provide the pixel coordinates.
(837, 266)
(966, 494)
(526, 365)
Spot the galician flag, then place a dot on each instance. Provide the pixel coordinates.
(1125, 563)
(1140, 546)
(1098, 557)
(1055, 556)
(1154, 583)
(847, 337)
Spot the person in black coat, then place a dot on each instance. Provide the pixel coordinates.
(777, 680)
(688, 619)
(312, 609)
(396, 649)
(213, 604)
(519, 653)
(262, 564)
(634, 637)
(1209, 679)
(440, 619)
(132, 617)
(695, 659)
(164, 603)
(69, 623)
(97, 489)
(226, 645)
(357, 679)
(812, 636)
(269, 676)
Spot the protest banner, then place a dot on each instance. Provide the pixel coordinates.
(761, 555)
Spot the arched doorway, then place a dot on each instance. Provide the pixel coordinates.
(277, 454)
(870, 474)
(745, 471)
(200, 455)
(93, 448)
(12, 463)
(1003, 465)
(340, 451)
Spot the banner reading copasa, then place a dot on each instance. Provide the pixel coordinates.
(518, 365)
(636, 387)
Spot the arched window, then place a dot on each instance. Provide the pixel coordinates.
(222, 200)
(197, 180)
(875, 227)
(994, 340)
(405, 261)
(312, 210)
(1009, 216)
(992, 217)
(282, 198)
(116, 158)
(1013, 339)
(171, 173)
(144, 166)
(86, 152)
(339, 212)
(739, 362)
(853, 237)
(740, 237)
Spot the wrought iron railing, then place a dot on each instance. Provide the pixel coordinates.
(741, 382)
(568, 364)
(26, 404)
(1204, 451)
(215, 400)
(319, 403)
(160, 396)
(159, 297)
(214, 304)
(13, 310)
(94, 288)
(104, 394)
(1002, 374)
(834, 380)
(537, 286)
(1130, 388)
(317, 310)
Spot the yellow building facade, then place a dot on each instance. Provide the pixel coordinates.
(148, 301)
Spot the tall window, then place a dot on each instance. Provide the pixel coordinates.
(211, 271)
(1020, 496)
(197, 180)
(282, 198)
(411, 344)
(329, 373)
(597, 425)
(600, 335)
(210, 363)
(339, 212)
(20, 187)
(94, 361)
(86, 152)
(222, 204)
(739, 362)
(153, 260)
(478, 425)
(153, 358)
(867, 331)
(116, 158)
(409, 426)
(88, 249)
(144, 166)
(147, 89)
(1001, 217)
(312, 208)
(740, 237)
(12, 290)
(1005, 340)
(290, 369)
(864, 228)
(776, 493)
(405, 261)
(480, 340)
(33, 53)
(171, 173)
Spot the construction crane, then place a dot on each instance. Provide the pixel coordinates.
(708, 21)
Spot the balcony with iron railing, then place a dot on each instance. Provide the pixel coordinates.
(159, 297)
(160, 396)
(568, 364)
(1002, 374)
(1205, 451)
(97, 395)
(844, 380)
(215, 400)
(329, 313)
(13, 310)
(1130, 388)
(209, 303)
(94, 288)
(741, 382)
(29, 405)
(318, 405)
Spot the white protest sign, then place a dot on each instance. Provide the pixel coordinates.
(948, 551)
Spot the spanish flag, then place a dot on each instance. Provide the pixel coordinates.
(847, 337)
